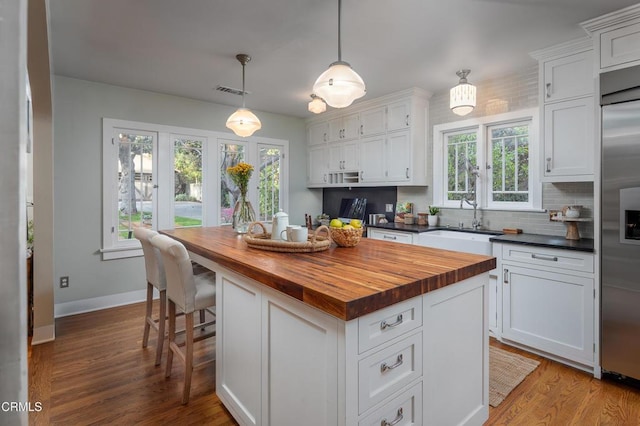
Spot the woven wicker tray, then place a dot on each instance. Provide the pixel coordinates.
(263, 241)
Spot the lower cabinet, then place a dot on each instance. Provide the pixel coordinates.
(281, 362)
(548, 302)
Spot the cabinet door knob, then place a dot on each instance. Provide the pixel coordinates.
(407, 173)
(548, 164)
(407, 120)
(362, 129)
(505, 276)
(548, 91)
(398, 419)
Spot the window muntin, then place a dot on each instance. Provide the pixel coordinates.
(134, 181)
(509, 177)
(230, 154)
(462, 150)
(269, 181)
(187, 181)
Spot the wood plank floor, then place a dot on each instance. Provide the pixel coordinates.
(96, 372)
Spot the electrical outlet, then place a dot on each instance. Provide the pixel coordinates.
(389, 208)
(64, 282)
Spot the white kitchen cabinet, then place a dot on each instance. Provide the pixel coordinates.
(397, 156)
(344, 128)
(318, 133)
(318, 166)
(548, 302)
(282, 362)
(568, 124)
(393, 236)
(569, 140)
(373, 121)
(399, 114)
(390, 134)
(343, 156)
(372, 161)
(616, 38)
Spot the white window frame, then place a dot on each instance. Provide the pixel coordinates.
(481, 126)
(163, 177)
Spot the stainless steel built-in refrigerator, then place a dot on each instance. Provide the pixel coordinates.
(620, 222)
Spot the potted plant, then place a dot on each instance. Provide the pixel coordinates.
(432, 219)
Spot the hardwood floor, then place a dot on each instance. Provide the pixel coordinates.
(96, 372)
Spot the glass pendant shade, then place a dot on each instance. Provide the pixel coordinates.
(462, 98)
(317, 105)
(243, 122)
(340, 85)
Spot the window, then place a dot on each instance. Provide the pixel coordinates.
(488, 160)
(164, 177)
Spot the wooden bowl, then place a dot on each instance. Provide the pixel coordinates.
(346, 237)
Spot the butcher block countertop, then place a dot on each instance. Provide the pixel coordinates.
(344, 282)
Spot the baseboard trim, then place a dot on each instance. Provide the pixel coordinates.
(103, 302)
(44, 334)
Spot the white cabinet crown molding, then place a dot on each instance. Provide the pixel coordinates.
(612, 20)
(563, 49)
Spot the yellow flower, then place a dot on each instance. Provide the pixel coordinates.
(240, 175)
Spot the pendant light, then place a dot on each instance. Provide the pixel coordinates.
(243, 122)
(339, 85)
(462, 98)
(317, 105)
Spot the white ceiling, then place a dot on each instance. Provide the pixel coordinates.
(188, 47)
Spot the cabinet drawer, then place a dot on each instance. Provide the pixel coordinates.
(388, 371)
(553, 258)
(383, 325)
(404, 410)
(396, 237)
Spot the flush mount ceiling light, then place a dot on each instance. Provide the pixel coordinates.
(339, 85)
(462, 97)
(317, 105)
(243, 122)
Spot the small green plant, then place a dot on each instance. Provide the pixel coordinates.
(433, 210)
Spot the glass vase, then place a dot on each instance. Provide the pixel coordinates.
(243, 215)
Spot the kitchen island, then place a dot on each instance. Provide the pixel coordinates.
(347, 336)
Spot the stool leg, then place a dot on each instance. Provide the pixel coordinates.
(188, 362)
(161, 323)
(148, 319)
(172, 336)
(202, 316)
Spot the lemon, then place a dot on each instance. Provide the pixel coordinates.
(348, 227)
(335, 223)
(356, 223)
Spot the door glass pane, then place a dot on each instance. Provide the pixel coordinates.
(230, 154)
(269, 181)
(135, 182)
(187, 172)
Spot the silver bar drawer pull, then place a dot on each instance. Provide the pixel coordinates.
(544, 257)
(395, 421)
(384, 324)
(390, 237)
(384, 367)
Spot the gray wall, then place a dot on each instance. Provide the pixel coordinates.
(510, 92)
(79, 107)
(13, 327)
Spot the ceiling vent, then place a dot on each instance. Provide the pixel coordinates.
(231, 90)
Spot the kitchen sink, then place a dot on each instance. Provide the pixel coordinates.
(468, 242)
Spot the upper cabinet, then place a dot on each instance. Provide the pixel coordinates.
(568, 123)
(377, 142)
(616, 38)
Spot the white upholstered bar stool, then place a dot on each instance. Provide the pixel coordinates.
(155, 278)
(188, 293)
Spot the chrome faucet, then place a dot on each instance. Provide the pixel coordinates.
(471, 198)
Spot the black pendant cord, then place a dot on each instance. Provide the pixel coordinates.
(243, 86)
